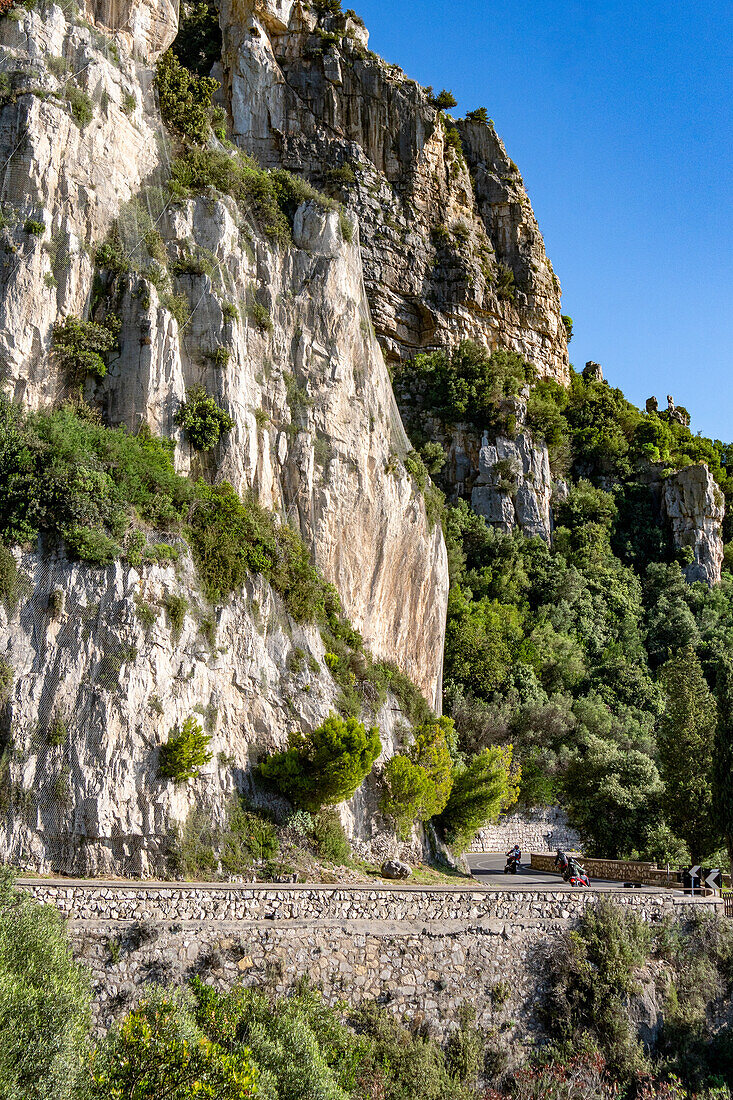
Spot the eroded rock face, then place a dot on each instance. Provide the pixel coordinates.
(694, 506)
(282, 337)
(514, 486)
(436, 246)
(315, 418)
(110, 671)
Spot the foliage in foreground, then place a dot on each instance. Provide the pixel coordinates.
(45, 1000)
(593, 978)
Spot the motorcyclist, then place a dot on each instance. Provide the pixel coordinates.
(514, 855)
(561, 862)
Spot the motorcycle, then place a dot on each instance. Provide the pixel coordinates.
(575, 874)
(512, 862)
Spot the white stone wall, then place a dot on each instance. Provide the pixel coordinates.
(538, 830)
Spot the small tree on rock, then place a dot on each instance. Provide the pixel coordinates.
(419, 782)
(326, 766)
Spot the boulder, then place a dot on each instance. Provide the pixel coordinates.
(395, 869)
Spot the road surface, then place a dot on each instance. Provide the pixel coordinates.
(488, 869)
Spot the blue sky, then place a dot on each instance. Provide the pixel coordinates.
(619, 118)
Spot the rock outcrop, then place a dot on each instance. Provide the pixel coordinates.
(450, 246)
(305, 382)
(514, 487)
(99, 682)
(694, 507)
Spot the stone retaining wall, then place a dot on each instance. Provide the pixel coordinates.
(539, 830)
(176, 902)
(422, 952)
(615, 870)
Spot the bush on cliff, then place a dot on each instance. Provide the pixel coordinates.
(45, 1000)
(185, 99)
(80, 346)
(481, 789)
(419, 781)
(203, 420)
(326, 766)
(185, 752)
(468, 382)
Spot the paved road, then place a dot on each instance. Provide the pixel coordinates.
(488, 869)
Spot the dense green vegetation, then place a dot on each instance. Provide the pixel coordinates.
(594, 658)
(326, 766)
(594, 979)
(197, 1041)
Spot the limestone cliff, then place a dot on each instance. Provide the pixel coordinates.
(694, 507)
(315, 418)
(282, 336)
(450, 245)
(100, 679)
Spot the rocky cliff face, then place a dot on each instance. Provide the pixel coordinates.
(315, 418)
(282, 337)
(694, 507)
(450, 245)
(99, 681)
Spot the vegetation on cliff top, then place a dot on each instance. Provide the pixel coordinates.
(594, 655)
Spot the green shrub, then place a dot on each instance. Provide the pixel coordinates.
(590, 975)
(417, 469)
(326, 766)
(260, 316)
(271, 198)
(158, 1051)
(229, 311)
(444, 100)
(329, 839)
(58, 66)
(203, 420)
(568, 326)
(129, 103)
(185, 99)
(198, 44)
(184, 753)
(505, 287)
(481, 790)
(79, 346)
(57, 731)
(45, 1000)
(219, 357)
(8, 579)
(80, 105)
(93, 546)
(229, 539)
(418, 782)
(249, 837)
(346, 226)
(467, 383)
(341, 177)
(433, 457)
(34, 228)
(194, 262)
(176, 607)
(479, 114)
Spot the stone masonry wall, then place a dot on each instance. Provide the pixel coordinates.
(539, 830)
(421, 952)
(616, 870)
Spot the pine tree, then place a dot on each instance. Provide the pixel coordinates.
(686, 739)
(723, 757)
